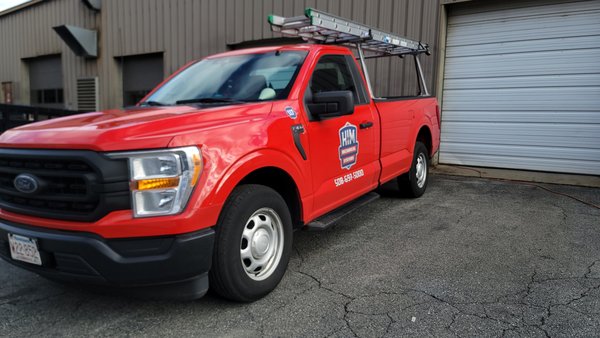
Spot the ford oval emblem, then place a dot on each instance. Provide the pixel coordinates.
(26, 183)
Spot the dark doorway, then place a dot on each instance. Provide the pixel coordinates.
(265, 43)
(46, 81)
(141, 73)
(7, 92)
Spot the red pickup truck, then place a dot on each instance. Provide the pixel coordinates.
(207, 177)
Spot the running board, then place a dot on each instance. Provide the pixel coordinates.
(325, 221)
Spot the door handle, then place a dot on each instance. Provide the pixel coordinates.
(366, 125)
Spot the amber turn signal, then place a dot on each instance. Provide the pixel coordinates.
(197, 168)
(156, 183)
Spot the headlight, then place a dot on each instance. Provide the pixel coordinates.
(162, 181)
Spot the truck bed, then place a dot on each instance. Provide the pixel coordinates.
(400, 118)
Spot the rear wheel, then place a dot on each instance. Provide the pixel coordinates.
(252, 245)
(415, 181)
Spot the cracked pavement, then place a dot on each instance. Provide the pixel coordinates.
(471, 258)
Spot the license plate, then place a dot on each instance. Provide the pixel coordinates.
(24, 249)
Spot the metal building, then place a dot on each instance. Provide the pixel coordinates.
(521, 85)
(518, 80)
(139, 42)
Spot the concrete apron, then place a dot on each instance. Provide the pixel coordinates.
(519, 175)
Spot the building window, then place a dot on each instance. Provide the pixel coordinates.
(47, 96)
(132, 97)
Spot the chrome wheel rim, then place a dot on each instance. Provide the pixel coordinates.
(421, 170)
(261, 245)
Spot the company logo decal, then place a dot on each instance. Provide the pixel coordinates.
(26, 184)
(291, 112)
(348, 151)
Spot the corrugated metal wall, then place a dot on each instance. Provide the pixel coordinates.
(28, 33)
(190, 29)
(522, 86)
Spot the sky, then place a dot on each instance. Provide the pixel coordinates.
(6, 4)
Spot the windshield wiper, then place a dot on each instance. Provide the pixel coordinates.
(209, 100)
(152, 103)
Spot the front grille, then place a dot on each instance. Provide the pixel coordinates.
(73, 185)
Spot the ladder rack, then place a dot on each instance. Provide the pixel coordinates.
(320, 27)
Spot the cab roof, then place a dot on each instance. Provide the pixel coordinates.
(308, 47)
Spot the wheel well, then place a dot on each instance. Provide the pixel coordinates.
(280, 181)
(424, 136)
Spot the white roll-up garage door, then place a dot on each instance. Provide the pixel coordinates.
(522, 86)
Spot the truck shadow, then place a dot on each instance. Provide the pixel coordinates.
(306, 245)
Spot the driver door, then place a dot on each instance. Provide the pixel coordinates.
(343, 149)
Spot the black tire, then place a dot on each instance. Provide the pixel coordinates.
(228, 276)
(409, 182)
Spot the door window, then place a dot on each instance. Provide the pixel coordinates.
(333, 74)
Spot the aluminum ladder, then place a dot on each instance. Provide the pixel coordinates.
(320, 27)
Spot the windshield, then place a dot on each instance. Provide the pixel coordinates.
(237, 78)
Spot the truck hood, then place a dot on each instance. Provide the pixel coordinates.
(129, 129)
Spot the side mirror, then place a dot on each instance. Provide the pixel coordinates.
(331, 104)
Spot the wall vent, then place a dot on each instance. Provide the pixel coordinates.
(87, 94)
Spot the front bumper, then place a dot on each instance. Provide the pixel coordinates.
(163, 267)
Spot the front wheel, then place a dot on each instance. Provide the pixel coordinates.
(252, 245)
(415, 181)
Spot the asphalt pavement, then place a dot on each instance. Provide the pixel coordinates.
(471, 258)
